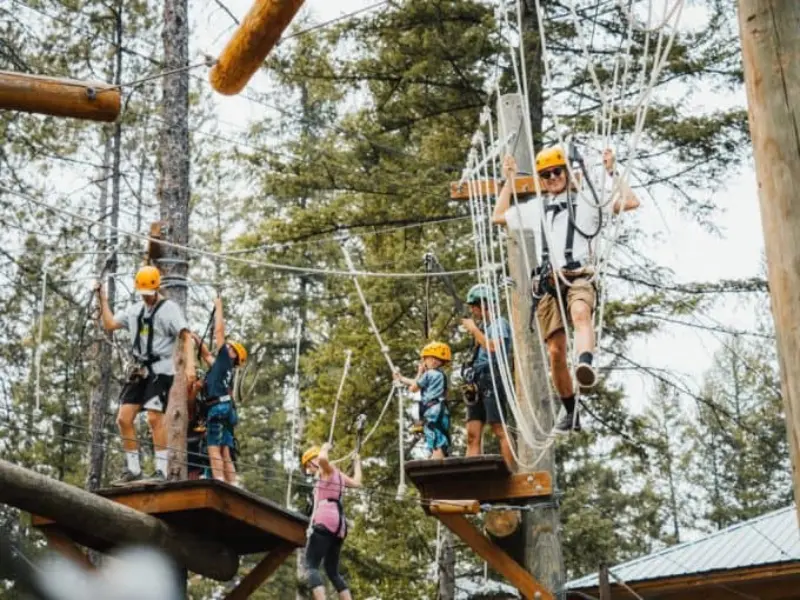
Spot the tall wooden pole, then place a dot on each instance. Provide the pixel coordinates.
(770, 35)
(174, 197)
(542, 545)
(605, 585)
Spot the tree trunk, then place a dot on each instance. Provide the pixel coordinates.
(447, 565)
(101, 397)
(174, 203)
(174, 151)
(178, 418)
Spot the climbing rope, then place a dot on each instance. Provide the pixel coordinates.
(345, 370)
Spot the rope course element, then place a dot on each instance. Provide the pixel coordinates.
(345, 370)
(217, 255)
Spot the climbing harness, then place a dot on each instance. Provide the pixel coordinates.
(147, 359)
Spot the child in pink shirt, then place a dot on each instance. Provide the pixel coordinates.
(329, 525)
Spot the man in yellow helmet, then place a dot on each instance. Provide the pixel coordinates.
(431, 382)
(565, 229)
(154, 325)
(221, 417)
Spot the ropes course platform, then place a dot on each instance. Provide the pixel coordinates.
(455, 487)
(207, 523)
(483, 478)
(246, 523)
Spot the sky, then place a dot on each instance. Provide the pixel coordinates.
(674, 240)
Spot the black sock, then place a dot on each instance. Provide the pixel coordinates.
(585, 357)
(569, 403)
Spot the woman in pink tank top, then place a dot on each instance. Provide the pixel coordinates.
(329, 525)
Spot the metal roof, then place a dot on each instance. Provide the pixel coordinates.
(769, 539)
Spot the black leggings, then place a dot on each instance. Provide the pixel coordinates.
(324, 546)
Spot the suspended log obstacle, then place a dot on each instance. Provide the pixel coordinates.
(251, 43)
(58, 97)
(205, 526)
(452, 488)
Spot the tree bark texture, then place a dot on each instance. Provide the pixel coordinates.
(770, 34)
(101, 396)
(174, 151)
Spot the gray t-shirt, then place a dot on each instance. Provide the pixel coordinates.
(168, 323)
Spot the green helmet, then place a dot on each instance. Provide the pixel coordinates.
(478, 293)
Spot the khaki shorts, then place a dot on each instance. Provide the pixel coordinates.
(548, 314)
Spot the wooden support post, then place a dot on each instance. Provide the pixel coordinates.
(605, 586)
(770, 35)
(260, 573)
(251, 43)
(89, 100)
(497, 559)
(73, 508)
(542, 546)
(60, 543)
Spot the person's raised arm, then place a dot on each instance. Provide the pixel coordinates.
(626, 199)
(480, 337)
(504, 199)
(205, 353)
(356, 480)
(322, 459)
(106, 316)
(411, 383)
(219, 323)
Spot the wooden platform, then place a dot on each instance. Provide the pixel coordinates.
(484, 478)
(246, 523)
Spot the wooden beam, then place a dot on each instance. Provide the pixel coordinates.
(251, 43)
(59, 542)
(260, 573)
(287, 529)
(524, 184)
(702, 581)
(73, 508)
(497, 559)
(89, 100)
(520, 486)
(454, 507)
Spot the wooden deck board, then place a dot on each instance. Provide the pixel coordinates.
(484, 478)
(242, 520)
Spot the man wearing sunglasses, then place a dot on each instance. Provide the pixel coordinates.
(565, 228)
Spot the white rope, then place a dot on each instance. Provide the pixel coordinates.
(346, 368)
(215, 255)
(386, 406)
(401, 487)
(296, 410)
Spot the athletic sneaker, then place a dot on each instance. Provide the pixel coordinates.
(126, 478)
(565, 424)
(586, 375)
(157, 475)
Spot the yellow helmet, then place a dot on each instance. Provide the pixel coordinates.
(309, 455)
(437, 350)
(148, 280)
(550, 158)
(240, 350)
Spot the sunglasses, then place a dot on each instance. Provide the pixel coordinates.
(552, 173)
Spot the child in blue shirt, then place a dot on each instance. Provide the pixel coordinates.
(218, 396)
(431, 382)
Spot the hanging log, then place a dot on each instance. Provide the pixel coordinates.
(251, 43)
(59, 97)
(454, 507)
(73, 508)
